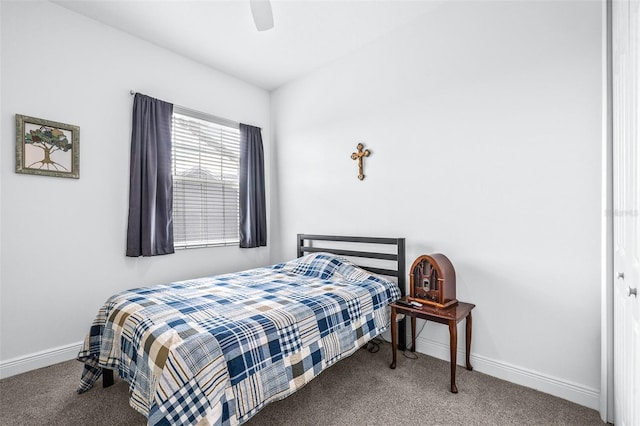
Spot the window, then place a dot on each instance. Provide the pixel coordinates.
(205, 165)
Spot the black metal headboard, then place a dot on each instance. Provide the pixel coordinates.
(307, 243)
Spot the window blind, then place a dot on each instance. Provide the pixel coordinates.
(205, 166)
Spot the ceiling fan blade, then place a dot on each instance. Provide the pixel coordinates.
(262, 14)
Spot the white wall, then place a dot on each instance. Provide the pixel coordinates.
(1, 162)
(63, 240)
(484, 122)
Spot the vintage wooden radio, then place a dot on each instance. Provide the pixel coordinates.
(432, 280)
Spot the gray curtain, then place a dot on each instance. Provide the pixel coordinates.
(150, 229)
(253, 211)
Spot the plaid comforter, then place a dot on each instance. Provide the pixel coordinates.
(215, 350)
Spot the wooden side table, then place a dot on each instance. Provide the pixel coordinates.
(451, 315)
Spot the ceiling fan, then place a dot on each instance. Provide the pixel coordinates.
(262, 14)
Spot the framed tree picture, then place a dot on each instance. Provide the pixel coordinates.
(47, 148)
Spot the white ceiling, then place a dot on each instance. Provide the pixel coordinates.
(221, 34)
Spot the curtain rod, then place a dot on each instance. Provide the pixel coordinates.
(201, 115)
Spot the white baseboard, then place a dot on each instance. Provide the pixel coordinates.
(36, 360)
(573, 392)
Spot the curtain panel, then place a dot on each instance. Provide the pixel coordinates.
(253, 211)
(150, 227)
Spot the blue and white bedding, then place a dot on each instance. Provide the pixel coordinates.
(215, 350)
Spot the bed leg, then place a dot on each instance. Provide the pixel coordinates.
(107, 377)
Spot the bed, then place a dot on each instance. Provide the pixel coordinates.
(216, 350)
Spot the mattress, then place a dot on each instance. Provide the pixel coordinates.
(215, 350)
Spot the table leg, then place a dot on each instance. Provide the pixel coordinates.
(394, 337)
(468, 325)
(453, 345)
(413, 333)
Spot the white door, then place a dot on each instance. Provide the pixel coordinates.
(626, 204)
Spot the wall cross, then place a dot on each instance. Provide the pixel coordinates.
(358, 156)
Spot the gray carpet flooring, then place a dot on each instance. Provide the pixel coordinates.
(359, 390)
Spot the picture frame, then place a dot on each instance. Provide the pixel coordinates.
(47, 148)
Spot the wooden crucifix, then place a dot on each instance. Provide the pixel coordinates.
(358, 156)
